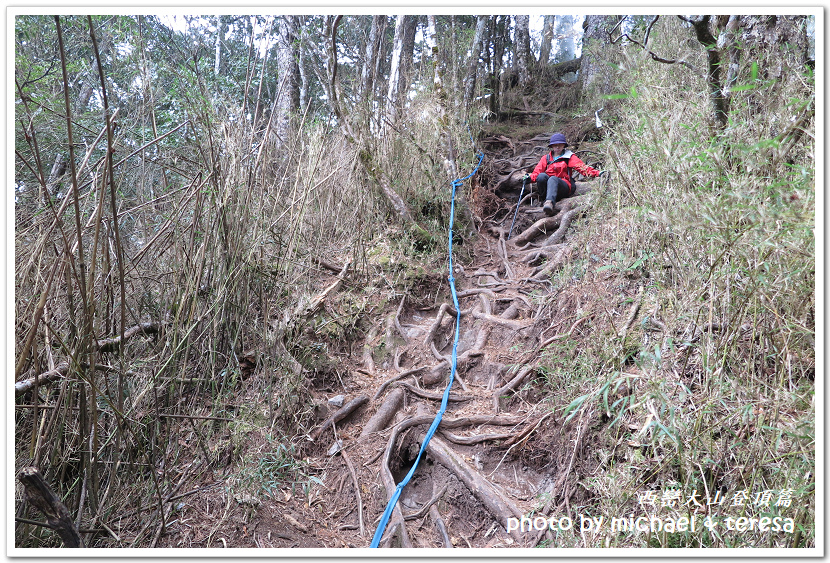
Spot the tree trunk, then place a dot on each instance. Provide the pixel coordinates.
(522, 56)
(714, 77)
(367, 76)
(498, 31)
(222, 25)
(475, 55)
(566, 39)
(593, 79)
(547, 40)
(288, 95)
(402, 49)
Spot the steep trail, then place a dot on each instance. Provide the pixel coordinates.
(493, 456)
(503, 449)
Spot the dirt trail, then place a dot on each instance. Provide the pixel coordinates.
(499, 452)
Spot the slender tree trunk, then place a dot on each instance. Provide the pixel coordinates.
(395, 69)
(367, 77)
(302, 68)
(591, 75)
(222, 25)
(566, 39)
(547, 40)
(499, 27)
(288, 94)
(402, 50)
(522, 56)
(475, 55)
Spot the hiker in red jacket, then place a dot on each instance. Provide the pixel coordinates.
(553, 173)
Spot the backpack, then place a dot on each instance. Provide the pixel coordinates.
(570, 170)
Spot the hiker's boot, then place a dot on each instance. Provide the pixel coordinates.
(548, 208)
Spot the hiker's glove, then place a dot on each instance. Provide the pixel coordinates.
(603, 173)
(526, 178)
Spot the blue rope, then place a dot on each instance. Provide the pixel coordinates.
(434, 426)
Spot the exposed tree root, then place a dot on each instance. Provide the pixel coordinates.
(472, 440)
(398, 326)
(435, 396)
(553, 339)
(401, 375)
(442, 528)
(502, 246)
(445, 308)
(543, 272)
(544, 225)
(560, 482)
(341, 413)
(525, 434)
(476, 291)
(424, 509)
(380, 420)
(493, 499)
(511, 324)
(512, 384)
(559, 223)
(536, 256)
(368, 360)
(565, 222)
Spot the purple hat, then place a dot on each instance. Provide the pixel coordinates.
(557, 138)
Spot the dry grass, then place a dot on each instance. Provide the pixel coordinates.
(719, 366)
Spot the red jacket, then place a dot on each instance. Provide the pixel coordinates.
(559, 167)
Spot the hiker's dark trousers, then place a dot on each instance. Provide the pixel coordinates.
(553, 189)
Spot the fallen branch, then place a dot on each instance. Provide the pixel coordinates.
(638, 301)
(327, 265)
(553, 339)
(315, 303)
(112, 344)
(341, 413)
(37, 492)
(356, 491)
(59, 372)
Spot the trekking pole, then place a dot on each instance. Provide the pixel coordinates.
(521, 195)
